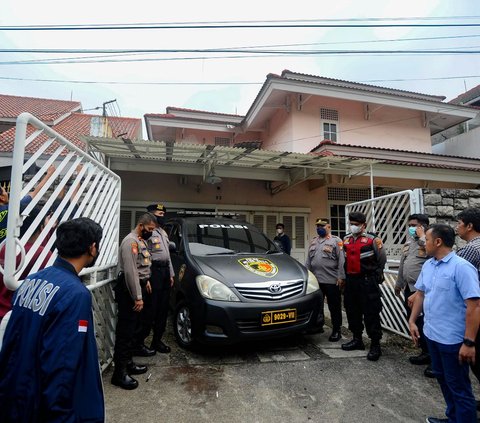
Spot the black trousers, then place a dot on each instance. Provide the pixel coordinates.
(422, 341)
(334, 300)
(363, 303)
(127, 324)
(155, 306)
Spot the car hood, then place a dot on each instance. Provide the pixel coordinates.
(241, 268)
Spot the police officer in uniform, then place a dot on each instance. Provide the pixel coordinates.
(326, 261)
(413, 257)
(155, 311)
(365, 260)
(134, 262)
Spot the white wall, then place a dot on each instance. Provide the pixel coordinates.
(464, 145)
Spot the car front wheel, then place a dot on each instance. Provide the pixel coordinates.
(182, 326)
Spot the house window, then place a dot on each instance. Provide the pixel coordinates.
(224, 142)
(337, 220)
(329, 122)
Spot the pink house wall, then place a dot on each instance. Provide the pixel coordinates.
(387, 127)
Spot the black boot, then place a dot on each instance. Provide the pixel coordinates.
(375, 351)
(121, 378)
(160, 347)
(143, 351)
(136, 369)
(335, 336)
(423, 358)
(354, 344)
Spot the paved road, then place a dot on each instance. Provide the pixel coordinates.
(299, 379)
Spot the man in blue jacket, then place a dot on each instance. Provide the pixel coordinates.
(49, 370)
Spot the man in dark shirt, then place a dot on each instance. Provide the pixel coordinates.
(283, 238)
(468, 228)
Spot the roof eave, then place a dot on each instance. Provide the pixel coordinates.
(356, 94)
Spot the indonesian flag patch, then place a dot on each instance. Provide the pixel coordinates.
(82, 325)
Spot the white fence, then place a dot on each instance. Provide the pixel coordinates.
(80, 186)
(388, 216)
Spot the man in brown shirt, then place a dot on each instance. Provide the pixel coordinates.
(134, 262)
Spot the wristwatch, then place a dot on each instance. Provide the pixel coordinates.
(468, 342)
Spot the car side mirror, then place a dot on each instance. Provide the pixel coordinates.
(172, 247)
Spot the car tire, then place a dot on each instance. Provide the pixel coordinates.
(182, 326)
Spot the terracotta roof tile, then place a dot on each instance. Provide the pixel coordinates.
(468, 96)
(72, 128)
(412, 162)
(286, 74)
(180, 109)
(47, 110)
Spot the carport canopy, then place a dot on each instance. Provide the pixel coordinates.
(285, 168)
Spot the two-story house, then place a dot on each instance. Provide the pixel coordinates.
(306, 147)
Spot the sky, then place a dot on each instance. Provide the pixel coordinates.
(228, 82)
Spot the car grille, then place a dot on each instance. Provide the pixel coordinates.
(252, 325)
(271, 290)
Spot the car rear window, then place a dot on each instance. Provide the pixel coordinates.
(226, 238)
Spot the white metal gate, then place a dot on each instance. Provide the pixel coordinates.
(388, 216)
(81, 187)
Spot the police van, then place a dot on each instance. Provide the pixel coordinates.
(233, 284)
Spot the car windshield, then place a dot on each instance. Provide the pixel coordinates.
(206, 239)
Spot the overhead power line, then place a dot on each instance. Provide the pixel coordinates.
(119, 57)
(312, 23)
(229, 50)
(214, 82)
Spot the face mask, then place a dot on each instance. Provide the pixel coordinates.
(412, 231)
(92, 263)
(161, 220)
(279, 231)
(355, 229)
(321, 232)
(146, 234)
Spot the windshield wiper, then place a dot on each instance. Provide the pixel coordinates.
(271, 251)
(223, 253)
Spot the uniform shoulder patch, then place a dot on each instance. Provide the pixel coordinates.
(340, 244)
(134, 248)
(379, 243)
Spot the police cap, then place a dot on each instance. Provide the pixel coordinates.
(153, 207)
(321, 222)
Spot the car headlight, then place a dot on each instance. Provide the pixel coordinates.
(312, 283)
(215, 290)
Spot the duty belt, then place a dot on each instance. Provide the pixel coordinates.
(159, 263)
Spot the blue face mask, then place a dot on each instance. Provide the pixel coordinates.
(321, 232)
(412, 231)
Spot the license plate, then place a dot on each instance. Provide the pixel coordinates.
(277, 317)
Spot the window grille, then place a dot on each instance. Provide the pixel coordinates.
(125, 223)
(328, 114)
(224, 142)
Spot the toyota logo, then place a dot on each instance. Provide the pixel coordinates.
(275, 288)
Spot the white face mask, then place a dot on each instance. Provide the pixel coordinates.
(355, 229)
(279, 231)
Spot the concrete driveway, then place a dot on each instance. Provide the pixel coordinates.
(299, 379)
